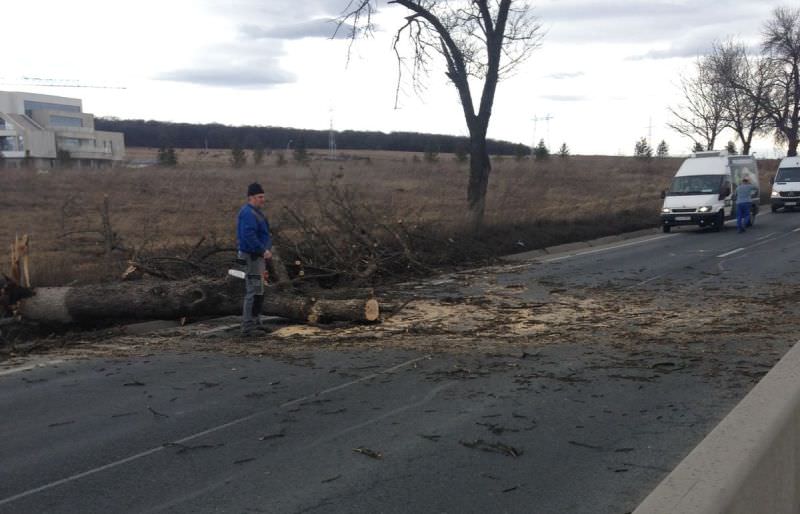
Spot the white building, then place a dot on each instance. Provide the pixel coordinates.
(44, 130)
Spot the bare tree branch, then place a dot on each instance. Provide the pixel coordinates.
(484, 40)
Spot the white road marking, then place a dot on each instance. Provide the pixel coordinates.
(37, 364)
(766, 236)
(796, 230)
(217, 428)
(643, 282)
(730, 253)
(604, 249)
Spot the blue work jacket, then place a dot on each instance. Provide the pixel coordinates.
(252, 231)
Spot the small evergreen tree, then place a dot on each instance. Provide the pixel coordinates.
(541, 152)
(662, 150)
(238, 156)
(258, 154)
(300, 153)
(698, 147)
(563, 152)
(731, 148)
(431, 152)
(64, 158)
(642, 150)
(521, 151)
(461, 151)
(167, 156)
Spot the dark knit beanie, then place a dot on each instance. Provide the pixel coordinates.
(255, 189)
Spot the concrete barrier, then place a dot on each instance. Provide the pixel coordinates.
(749, 463)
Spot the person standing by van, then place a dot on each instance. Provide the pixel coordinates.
(744, 203)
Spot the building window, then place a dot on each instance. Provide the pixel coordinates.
(70, 142)
(31, 106)
(65, 121)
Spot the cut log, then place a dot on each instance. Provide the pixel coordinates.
(173, 300)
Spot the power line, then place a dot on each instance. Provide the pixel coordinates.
(51, 82)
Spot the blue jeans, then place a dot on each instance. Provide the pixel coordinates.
(743, 215)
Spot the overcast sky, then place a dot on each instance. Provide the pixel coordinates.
(605, 73)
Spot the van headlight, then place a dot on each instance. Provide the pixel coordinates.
(704, 208)
(775, 194)
(665, 211)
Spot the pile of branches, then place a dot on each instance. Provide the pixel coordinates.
(206, 258)
(347, 241)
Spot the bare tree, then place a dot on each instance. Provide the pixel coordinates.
(702, 117)
(479, 40)
(745, 79)
(781, 44)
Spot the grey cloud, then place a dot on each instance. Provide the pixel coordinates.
(692, 44)
(319, 28)
(566, 75)
(276, 11)
(230, 76)
(646, 22)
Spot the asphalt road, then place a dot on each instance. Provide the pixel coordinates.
(579, 426)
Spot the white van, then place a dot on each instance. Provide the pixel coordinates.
(786, 185)
(702, 192)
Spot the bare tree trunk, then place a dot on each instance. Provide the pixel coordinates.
(480, 167)
(792, 140)
(172, 300)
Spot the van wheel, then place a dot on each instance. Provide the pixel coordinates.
(719, 223)
(666, 228)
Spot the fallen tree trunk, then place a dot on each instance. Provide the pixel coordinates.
(172, 300)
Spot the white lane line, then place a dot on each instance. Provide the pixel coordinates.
(766, 236)
(796, 230)
(151, 451)
(761, 241)
(37, 364)
(730, 253)
(604, 249)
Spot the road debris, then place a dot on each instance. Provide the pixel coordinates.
(369, 453)
(501, 448)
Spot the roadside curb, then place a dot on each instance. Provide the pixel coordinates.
(578, 245)
(750, 462)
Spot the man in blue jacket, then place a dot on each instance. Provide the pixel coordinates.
(255, 244)
(744, 203)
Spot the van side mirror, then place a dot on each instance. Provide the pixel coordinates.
(663, 193)
(772, 179)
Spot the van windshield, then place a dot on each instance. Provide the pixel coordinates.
(695, 185)
(788, 175)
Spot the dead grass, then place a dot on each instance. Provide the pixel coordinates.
(529, 204)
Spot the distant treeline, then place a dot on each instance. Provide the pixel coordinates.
(188, 135)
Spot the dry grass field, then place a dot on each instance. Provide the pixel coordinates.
(166, 211)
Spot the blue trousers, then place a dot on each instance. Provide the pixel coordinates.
(742, 215)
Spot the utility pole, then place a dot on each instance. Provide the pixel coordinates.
(331, 140)
(536, 119)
